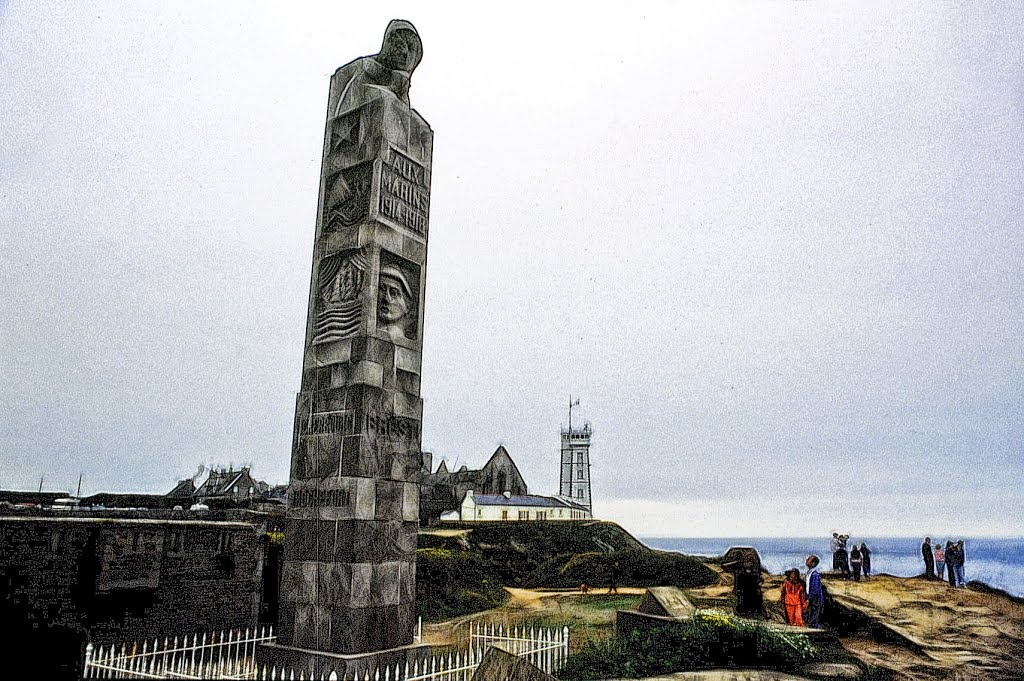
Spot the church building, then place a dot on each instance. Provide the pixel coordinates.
(444, 490)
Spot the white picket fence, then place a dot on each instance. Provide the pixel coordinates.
(227, 655)
(231, 655)
(544, 647)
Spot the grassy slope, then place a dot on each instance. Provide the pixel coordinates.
(464, 571)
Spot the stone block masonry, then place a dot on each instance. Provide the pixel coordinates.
(68, 580)
(348, 581)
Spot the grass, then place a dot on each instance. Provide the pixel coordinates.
(636, 567)
(709, 640)
(590, 617)
(462, 570)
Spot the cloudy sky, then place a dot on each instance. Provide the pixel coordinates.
(775, 248)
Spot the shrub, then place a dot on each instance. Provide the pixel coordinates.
(453, 583)
(637, 567)
(709, 639)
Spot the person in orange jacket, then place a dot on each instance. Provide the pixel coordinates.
(794, 598)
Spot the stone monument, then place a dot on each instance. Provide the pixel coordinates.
(349, 578)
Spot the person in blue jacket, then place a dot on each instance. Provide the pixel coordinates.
(815, 594)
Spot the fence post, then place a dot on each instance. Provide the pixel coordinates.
(88, 660)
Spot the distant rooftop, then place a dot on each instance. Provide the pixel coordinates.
(523, 500)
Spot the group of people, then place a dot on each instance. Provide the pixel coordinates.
(803, 598)
(850, 563)
(941, 561)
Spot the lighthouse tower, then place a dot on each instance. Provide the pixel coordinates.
(574, 478)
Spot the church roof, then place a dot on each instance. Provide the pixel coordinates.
(500, 453)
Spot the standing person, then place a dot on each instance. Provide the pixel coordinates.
(794, 598)
(940, 561)
(929, 558)
(815, 594)
(834, 547)
(613, 583)
(865, 559)
(855, 562)
(844, 557)
(950, 555)
(961, 558)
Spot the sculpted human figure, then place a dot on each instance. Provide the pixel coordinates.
(394, 300)
(386, 73)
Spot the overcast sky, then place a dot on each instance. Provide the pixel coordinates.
(776, 249)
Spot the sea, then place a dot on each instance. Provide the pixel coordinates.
(998, 563)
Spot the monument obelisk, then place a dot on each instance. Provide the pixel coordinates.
(349, 576)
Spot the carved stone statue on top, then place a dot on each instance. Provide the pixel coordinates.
(387, 73)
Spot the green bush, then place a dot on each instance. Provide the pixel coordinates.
(453, 583)
(708, 640)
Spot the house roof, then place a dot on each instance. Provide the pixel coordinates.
(524, 500)
(185, 488)
(221, 482)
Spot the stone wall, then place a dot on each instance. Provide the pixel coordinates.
(66, 581)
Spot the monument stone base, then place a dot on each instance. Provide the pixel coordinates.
(315, 663)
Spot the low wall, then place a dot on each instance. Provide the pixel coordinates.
(66, 581)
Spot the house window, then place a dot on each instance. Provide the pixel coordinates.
(542, 515)
(524, 515)
(224, 542)
(479, 513)
(504, 514)
(579, 494)
(175, 542)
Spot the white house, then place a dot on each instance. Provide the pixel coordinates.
(507, 506)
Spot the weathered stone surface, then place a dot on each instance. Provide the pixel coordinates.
(667, 601)
(501, 665)
(154, 576)
(351, 531)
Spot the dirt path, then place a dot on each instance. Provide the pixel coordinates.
(535, 598)
(588, 616)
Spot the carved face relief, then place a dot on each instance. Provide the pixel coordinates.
(394, 298)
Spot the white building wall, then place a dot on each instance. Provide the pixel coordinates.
(472, 512)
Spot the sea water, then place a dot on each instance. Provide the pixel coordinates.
(996, 562)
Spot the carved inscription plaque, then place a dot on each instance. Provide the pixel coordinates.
(404, 196)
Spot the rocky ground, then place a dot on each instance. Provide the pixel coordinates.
(916, 628)
(925, 629)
